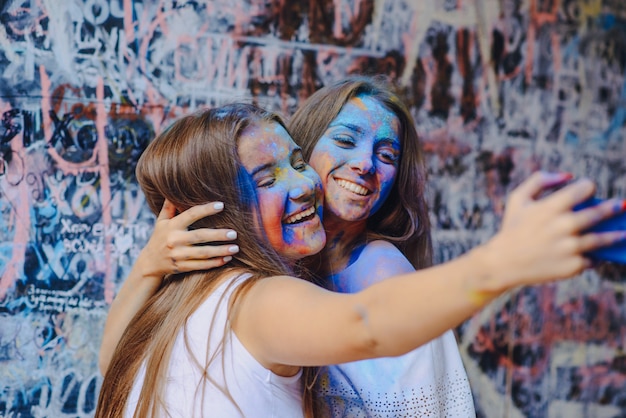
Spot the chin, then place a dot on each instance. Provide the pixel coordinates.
(348, 215)
(352, 217)
(298, 252)
(321, 243)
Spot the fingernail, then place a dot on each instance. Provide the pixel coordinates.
(233, 249)
(567, 176)
(231, 235)
(218, 206)
(227, 259)
(557, 177)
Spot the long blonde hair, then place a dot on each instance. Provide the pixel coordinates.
(193, 162)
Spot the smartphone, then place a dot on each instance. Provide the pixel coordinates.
(616, 252)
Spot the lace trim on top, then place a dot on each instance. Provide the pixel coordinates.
(450, 397)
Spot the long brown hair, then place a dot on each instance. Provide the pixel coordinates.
(193, 162)
(403, 218)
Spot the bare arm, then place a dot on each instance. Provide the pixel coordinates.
(286, 321)
(169, 250)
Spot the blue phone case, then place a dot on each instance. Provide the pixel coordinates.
(616, 252)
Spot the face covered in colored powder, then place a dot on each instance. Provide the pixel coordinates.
(289, 191)
(357, 159)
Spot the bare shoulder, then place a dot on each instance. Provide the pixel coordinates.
(271, 296)
(381, 247)
(268, 290)
(273, 312)
(378, 261)
(380, 251)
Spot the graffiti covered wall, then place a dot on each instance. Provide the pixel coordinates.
(498, 88)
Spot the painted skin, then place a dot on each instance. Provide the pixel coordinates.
(357, 159)
(285, 185)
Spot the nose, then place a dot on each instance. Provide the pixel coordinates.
(301, 187)
(362, 161)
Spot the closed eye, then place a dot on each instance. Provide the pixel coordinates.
(265, 182)
(388, 153)
(297, 160)
(389, 157)
(300, 165)
(344, 141)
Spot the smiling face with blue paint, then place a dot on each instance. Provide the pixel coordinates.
(357, 158)
(289, 191)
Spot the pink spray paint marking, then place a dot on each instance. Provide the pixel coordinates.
(99, 163)
(21, 213)
(102, 151)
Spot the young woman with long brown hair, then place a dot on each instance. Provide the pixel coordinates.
(284, 323)
(362, 141)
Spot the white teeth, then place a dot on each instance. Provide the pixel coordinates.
(353, 187)
(298, 216)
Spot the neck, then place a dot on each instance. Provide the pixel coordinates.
(342, 239)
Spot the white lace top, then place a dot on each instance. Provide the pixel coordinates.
(427, 382)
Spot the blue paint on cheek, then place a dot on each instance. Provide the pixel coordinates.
(247, 186)
(385, 190)
(323, 156)
(289, 237)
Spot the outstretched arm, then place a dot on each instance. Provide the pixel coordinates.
(285, 321)
(171, 249)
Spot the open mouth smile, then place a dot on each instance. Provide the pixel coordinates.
(303, 216)
(353, 187)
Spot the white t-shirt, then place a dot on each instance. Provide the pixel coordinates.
(257, 391)
(427, 382)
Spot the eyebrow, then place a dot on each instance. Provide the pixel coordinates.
(261, 168)
(351, 126)
(359, 130)
(390, 141)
